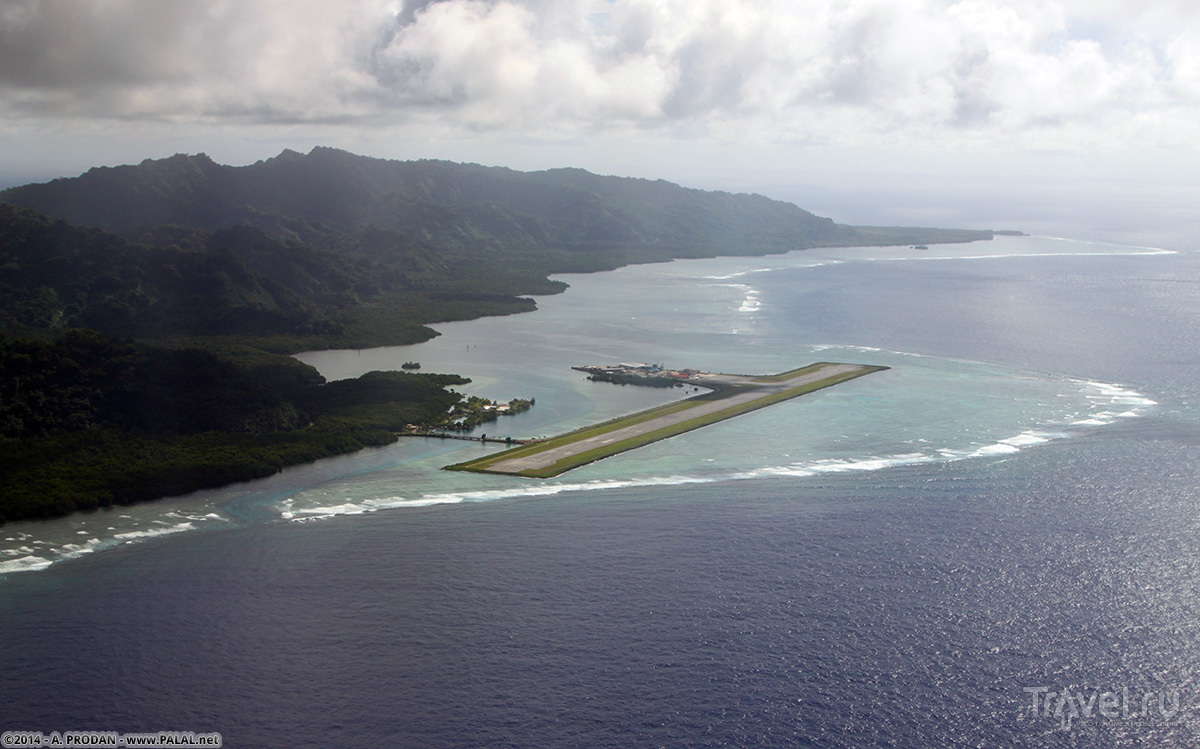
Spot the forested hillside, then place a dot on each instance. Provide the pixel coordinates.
(334, 249)
(169, 281)
(324, 195)
(89, 421)
(145, 310)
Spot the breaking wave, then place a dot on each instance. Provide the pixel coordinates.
(1092, 405)
(33, 555)
(1109, 402)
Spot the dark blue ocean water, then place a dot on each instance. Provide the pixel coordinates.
(911, 606)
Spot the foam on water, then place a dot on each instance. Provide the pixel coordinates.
(1080, 406)
(66, 545)
(524, 490)
(769, 268)
(25, 564)
(872, 349)
(154, 532)
(1100, 395)
(750, 302)
(876, 432)
(1122, 249)
(1001, 256)
(1106, 394)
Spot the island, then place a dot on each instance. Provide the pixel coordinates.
(148, 311)
(646, 375)
(729, 395)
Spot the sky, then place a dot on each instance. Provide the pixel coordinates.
(836, 104)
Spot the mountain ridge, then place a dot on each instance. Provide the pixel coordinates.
(310, 245)
(349, 192)
(145, 310)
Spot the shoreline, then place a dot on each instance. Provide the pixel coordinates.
(733, 395)
(360, 461)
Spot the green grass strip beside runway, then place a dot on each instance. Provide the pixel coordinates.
(485, 463)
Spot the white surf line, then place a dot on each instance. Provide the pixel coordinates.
(1000, 448)
(1156, 250)
(1010, 255)
(768, 269)
(1133, 251)
(1106, 398)
(28, 559)
(535, 488)
(1130, 250)
(548, 458)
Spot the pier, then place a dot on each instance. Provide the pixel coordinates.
(480, 438)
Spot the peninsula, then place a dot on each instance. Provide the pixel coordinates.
(729, 396)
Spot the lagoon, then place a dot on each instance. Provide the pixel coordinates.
(1013, 506)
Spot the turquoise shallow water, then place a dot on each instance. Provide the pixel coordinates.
(719, 315)
(742, 315)
(894, 562)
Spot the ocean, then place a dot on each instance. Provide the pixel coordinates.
(993, 543)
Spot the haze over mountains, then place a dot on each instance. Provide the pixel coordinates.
(346, 193)
(215, 271)
(338, 249)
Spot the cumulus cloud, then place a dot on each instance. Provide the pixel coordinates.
(802, 69)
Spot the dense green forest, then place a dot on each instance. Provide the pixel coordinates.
(640, 380)
(89, 421)
(236, 283)
(146, 311)
(331, 249)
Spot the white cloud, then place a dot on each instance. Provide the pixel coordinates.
(1044, 72)
(504, 65)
